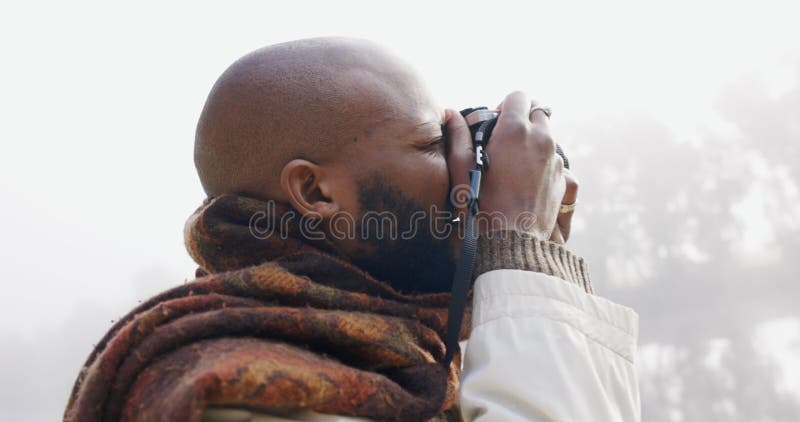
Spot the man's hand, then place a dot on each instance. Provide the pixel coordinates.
(564, 221)
(526, 182)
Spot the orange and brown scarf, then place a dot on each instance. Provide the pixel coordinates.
(275, 325)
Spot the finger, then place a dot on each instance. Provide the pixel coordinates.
(538, 116)
(570, 197)
(459, 155)
(514, 108)
(557, 236)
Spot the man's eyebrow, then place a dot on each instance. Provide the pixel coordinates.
(428, 125)
(426, 132)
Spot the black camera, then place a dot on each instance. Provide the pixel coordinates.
(481, 119)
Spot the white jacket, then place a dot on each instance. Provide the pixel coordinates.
(540, 350)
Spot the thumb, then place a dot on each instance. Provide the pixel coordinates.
(460, 159)
(564, 222)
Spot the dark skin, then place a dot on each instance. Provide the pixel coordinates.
(388, 126)
(408, 151)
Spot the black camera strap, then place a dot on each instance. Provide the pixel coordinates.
(469, 246)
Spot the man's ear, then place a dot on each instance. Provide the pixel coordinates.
(307, 189)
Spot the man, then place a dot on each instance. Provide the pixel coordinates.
(309, 309)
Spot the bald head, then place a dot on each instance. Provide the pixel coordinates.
(302, 99)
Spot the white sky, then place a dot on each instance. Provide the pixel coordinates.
(98, 103)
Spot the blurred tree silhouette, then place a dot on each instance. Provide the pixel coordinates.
(700, 236)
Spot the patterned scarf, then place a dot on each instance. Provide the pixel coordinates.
(276, 325)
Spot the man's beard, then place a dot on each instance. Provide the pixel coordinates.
(417, 262)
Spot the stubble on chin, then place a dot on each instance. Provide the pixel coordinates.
(420, 262)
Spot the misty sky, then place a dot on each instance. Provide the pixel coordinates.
(680, 120)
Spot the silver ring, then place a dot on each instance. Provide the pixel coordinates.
(546, 110)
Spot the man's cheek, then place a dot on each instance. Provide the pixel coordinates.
(439, 182)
